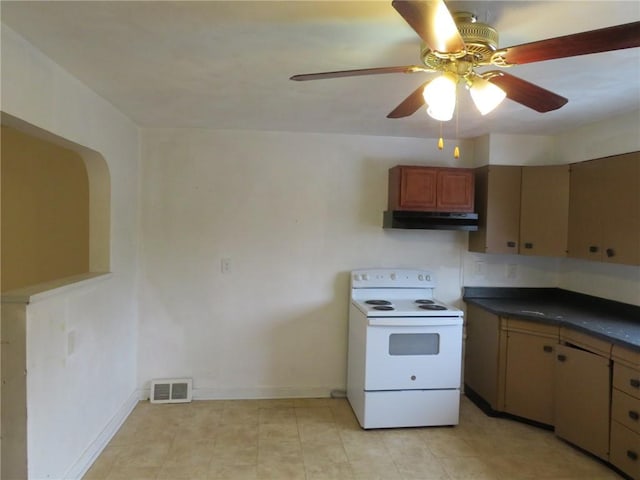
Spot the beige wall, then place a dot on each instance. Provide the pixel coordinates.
(45, 211)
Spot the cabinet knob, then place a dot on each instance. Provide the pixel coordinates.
(528, 245)
(633, 415)
(547, 348)
(562, 358)
(635, 382)
(511, 244)
(632, 455)
(593, 249)
(610, 252)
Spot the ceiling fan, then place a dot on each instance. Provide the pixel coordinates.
(454, 45)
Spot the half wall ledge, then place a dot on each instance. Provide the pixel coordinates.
(59, 286)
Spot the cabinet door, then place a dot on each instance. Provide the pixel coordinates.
(482, 355)
(586, 211)
(455, 190)
(582, 389)
(418, 188)
(621, 218)
(529, 376)
(497, 200)
(544, 210)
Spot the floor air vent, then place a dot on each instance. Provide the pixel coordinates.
(171, 390)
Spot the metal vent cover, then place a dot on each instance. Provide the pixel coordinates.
(171, 390)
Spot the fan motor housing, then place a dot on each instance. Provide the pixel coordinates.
(481, 41)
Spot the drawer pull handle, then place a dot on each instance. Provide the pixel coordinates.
(547, 348)
(632, 455)
(511, 244)
(562, 358)
(634, 415)
(593, 249)
(528, 245)
(635, 382)
(610, 252)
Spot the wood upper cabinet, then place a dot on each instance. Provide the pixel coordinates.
(497, 200)
(604, 210)
(522, 210)
(544, 210)
(431, 189)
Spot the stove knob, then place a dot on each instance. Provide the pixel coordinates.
(393, 276)
(356, 277)
(428, 278)
(420, 277)
(365, 277)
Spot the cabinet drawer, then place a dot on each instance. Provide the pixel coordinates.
(518, 325)
(625, 450)
(626, 379)
(586, 341)
(630, 358)
(626, 410)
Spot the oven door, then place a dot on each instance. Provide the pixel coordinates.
(403, 356)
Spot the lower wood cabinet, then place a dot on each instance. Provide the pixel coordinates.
(530, 362)
(582, 399)
(483, 362)
(583, 386)
(625, 412)
(625, 445)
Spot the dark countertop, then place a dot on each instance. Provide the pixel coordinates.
(616, 322)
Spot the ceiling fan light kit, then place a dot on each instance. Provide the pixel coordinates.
(440, 96)
(485, 95)
(454, 45)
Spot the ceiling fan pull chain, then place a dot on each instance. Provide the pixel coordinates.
(440, 139)
(456, 150)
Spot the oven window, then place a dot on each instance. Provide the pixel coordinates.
(414, 344)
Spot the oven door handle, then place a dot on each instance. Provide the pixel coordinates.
(414, 321)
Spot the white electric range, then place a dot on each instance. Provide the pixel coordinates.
(405, 350)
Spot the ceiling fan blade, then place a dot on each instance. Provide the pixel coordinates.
(433, 22)
(526, 93)
(409, 105)
(358, 72)
(593, 41)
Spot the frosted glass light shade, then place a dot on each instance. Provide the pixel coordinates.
(486, 95)
(440, 96)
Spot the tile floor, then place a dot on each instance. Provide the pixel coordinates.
(314, 439)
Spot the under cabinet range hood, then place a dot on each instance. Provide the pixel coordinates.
(409, 219)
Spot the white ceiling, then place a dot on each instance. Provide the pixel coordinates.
(227, 65)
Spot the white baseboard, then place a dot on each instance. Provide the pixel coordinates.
(212, 393)
(91, 453)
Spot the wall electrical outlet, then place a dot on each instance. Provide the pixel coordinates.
(511, 271)
(479, 268)
(71, 342)
(225, 265)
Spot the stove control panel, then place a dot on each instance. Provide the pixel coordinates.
(392, 278)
